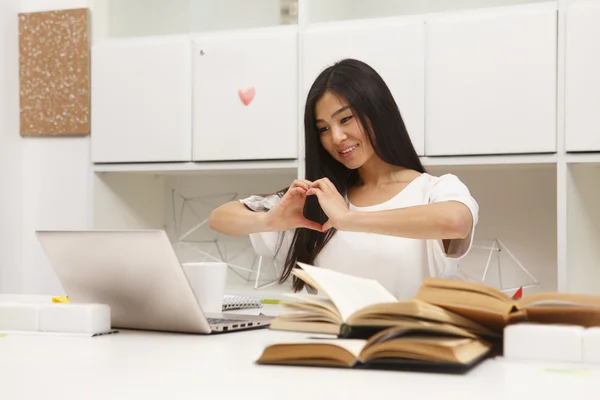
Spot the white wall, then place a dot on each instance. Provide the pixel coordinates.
(583, 229)
(56, 195)
(11, 209)
(46, 5)
(54, 175)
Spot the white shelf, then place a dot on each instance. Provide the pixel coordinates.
(583, 158)
(485, 160)
(201, 167)
(336, 10)
(520, 194)
(292, 165)
(136, 18)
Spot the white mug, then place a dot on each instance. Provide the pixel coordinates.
(208, 282)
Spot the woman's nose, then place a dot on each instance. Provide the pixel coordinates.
(338, 135)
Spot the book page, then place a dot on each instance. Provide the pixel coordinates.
(317, 300)
(557, 303)
(348, 293)
(353, 346)
(560, 299)
(311, 302)
(466, 287)
(427, 348)
(306, 311)
(283, 324)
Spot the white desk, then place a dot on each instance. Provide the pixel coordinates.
(149, 365)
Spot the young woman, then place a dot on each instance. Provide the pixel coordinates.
(367, 206)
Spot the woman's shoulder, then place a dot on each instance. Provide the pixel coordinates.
(425, 181)
(446, 187)
(443, 179)
(438, 186)
(428, 178)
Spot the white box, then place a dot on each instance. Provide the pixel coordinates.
(19, 316)
(75, 318)
(591, 346)
(543, 342)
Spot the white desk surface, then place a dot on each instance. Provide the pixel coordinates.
(153, 365)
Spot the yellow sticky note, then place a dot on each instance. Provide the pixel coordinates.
(270, 301)
(60, 299)
(566, 371)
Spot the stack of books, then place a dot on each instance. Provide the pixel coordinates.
(450, 326)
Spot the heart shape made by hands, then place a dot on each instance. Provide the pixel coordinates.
(247, 95)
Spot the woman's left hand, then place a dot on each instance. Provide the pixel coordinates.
(332, 203)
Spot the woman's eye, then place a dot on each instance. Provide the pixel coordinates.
(322, 130)
(346, 119)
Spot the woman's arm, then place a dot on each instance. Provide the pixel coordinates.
(439, 220)
(234, 219)
(443, 220)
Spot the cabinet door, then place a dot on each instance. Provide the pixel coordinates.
(142, 100)
(394, 48)
(491, 81)
(245, 95)
(583, 77)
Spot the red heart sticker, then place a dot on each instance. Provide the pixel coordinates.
(247, 95)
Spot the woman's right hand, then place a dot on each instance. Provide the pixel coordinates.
(287, 214)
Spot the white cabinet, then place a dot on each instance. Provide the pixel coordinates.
(491, 81)
(582, 127)
(245, 95)
(142, 100)
(394, 48)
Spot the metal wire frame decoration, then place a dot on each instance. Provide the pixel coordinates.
(195, 241)
(496, 247)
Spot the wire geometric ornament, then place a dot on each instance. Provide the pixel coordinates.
(496, 248)
(196, 242)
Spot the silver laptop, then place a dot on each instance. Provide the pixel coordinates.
(137, 273)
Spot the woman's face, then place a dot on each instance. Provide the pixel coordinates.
(342, 134)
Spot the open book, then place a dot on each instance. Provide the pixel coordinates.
(495, 309)
(353, 307)
(435, 350)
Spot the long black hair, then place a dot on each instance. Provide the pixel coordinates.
(372, 102)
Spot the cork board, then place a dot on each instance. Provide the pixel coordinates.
(54, 73)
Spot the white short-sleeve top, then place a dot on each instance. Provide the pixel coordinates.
(399, 264)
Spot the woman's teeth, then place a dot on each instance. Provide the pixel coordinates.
(349, 149)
